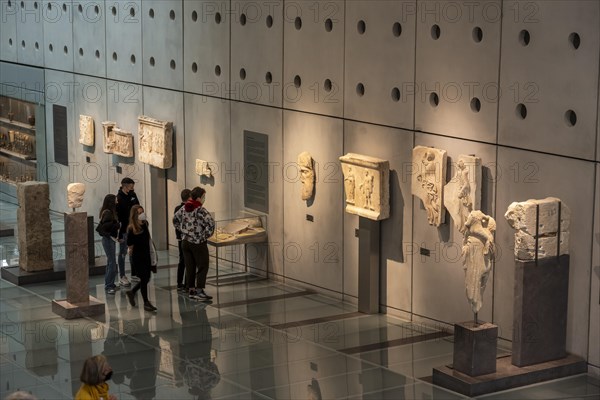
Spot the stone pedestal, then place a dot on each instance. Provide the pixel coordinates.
(78, 302)
(475, 348)
(368, 266)
(540, 310)
(35, 230)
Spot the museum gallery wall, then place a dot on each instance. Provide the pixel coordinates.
(369, 78)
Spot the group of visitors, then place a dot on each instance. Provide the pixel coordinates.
(123, 223)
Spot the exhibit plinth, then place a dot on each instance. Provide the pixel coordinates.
(507, 376)
(78, 303)
(368, 266)
(475, 348)
(540, 310)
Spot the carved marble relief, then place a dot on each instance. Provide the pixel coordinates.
(155, 142)
(367, 186)
(478, 253)
(123, 142)
(307, 175)
(203, 168)
(86, 130)
(109, 140)
(75, 192)
(542, 228)
(463, 193)
(428, 181)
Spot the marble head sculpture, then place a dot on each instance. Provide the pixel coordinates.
(75, 192)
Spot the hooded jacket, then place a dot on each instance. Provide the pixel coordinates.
(194, 222)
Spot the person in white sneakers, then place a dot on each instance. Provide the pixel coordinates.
(196, 226)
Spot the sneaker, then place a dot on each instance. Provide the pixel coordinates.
(192, 294)
(180, 288)
(110, 291)
(124, 281)
(131, 297)
(134, 278)
(202, 295)
(149, 307)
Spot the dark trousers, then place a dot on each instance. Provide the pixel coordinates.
(181, 265)
(196, 263)
(142, 286)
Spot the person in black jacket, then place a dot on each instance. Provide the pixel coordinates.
(138, 243)
(108, 228)
(185, 196)
(126, 198)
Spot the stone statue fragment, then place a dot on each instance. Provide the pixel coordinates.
(428, 181)
(478, 254)
(203, 168)
(86, 130)
(367, 186)
(109, 137)
(463, 193)
(155, 142)
(542, 228)
(75, 192)
(123, 142)
(307, 174)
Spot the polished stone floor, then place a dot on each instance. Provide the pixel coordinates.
(258, 339)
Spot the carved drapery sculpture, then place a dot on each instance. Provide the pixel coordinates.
(428, 181)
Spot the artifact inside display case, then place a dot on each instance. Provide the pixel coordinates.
(75, 192)
(463, 193)
(155, 142)
(428, 181)
(86, 130)
(18, 142)
(367, 186)
(307, 175)
(203, 168)
(541, 225)
(240, 230)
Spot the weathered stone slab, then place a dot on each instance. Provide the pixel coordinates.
(155, 142)
(463, 193)
(35, 229)
(86, 130)
(428, 180)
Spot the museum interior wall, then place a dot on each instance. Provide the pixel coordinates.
(330, 78)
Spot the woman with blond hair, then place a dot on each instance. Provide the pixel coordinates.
(139, 244)
(94, 374)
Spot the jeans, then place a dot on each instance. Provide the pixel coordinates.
(122, 254)
(110, 274)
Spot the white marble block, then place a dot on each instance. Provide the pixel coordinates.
(107, 132)
(123, 142)
(203, 168)
(538, 221)
(463, 193)
(428, 180)
(307, 175)
(75, 192)
(367, 186)
(155, 142)
(86, 130)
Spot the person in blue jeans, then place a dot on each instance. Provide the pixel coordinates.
(108, 228)
(126, 199)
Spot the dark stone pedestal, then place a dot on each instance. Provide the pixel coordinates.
(368, 266)
(78, 310)
(507, 376)
(475, 348)
(540, 310)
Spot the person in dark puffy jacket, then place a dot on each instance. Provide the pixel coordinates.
(108, 228)
(126, 198)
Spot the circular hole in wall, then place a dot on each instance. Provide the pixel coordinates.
(132, 12)
(218, 70)
(194, 16)
(80, 51)
(64, 6)
(50, 47)
(242, 74)
(22, 43)
(151, 13)
(80, 8)
(172, 15)
(97, 54)
(218, 18)
(132, 59)
(361, 27)
(22, 4)
(115, 57)
(37, 46)
(268, 77)
(436, 32)
(475, 105)
(49, 5)
(243, 19)
(327, 85)
(66, 49)
(521, 111)
(298, 23)
(10, 42)
(297, 81)
(571, 118)
(35, 5)
(172, 64)
(269, 21)
(396, 94)
(328, 25)
(397, 29)
(114, 10)
(524, 37)
(434, 99)
(97, 10)
(360, 90)
(194, 67)
(152, 61)
(575, 40)
(9, 3)
(477, 34)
